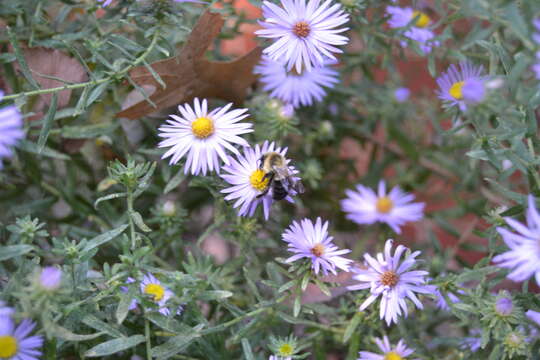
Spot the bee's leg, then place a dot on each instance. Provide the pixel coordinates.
(270, 177)
(264, 192)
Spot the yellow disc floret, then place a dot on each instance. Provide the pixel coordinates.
(456, 91)
(422, 20)
(202, 127)
(8, 346)
(256, 180)
(286, 350)
(392, 356)
(384, 205)
(156, 290)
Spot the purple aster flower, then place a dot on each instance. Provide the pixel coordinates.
(504, 306)
(533, 316)
(308, 240)
(398, 352)
(402, 94)
(441, 301)
(105, 2)
(15, 344)
(536, 67)
(524, 254)
(536, 35)
(364, 206)
(305, 34)
(459, 87)
(152, 287)
(247, 182)
(474, 342)
(203, 135)
(392, 281)
(296, 88)
(5, 310)
(50, 278)
(10, 129)
(417, 31)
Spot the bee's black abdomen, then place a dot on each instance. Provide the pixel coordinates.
(279, 191)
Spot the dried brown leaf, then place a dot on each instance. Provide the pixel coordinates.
(190, 75)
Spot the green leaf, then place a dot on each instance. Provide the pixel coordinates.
(297, 305)
(102, 326)
(66, 334)
(109, 197)
(30, 147)
(174, 182)
(8, 252)
(47, 123)
(114, 346)
(215, 295)
(20, 58)
(123, 305)
(88, 131)
(351, 327)
(174, 346)
(137, 219)
(96, 93)
(248, 353)
(103, 238)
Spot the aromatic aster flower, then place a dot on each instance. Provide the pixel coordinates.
(247, 180)
(398, 352)
(5, 310)
(524, 254)
(392, 281)
(418, 31)
(105, 2)
(152, 287)
(10, 129)
(295, 88)
(402, 94)
(474, 342)
(533, 316)
(308, 240)
(50, 278)
(459, 87)
(305, 34)
(395, 208)
(203, 136)
(15, 344)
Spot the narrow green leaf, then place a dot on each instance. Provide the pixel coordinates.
(174, 182)
(123, 305)
(351, 327)
(114, 346)
(31, 147)
(215, 295)
(138, 220)
(96, 93)
(297, 306)
(20, 58)
(109, 197)
(103, 238)
(8, 252)
(66, 334)
(47, 123)
(102, 326)
(248, 353)
(88, 131)
(174, 346)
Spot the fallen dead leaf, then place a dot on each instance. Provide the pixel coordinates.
(190, 75)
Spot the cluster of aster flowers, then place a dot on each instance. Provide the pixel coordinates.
(296, 68)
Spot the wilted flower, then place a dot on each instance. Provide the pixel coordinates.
(10, 129)
(364, 206)
(459, 87)
(247, 182)
(392, 281)
(308, 240)
(293, 87)
(50, 278)
(15, 344)
(524, 254)
(417, 31)
(203, 135)
(398, 352)
(402, 94)
(305, 34)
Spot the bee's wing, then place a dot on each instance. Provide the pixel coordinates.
(282, 172)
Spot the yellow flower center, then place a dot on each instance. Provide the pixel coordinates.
(202, 127)
(389, 278)
(384, 205)
(8, 346)
(301, 29)
(422, 20)
(392, 355)
(318, 250)
(256, 180)
(286, 350)
(456, 91)
(156, 290)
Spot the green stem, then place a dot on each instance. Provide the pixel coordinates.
(116, 75)
(131, 224)
(148, 343)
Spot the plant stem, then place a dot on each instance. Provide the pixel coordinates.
(131, 224)
(111, 77)
(147, 335)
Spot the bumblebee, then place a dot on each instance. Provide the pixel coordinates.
(280, 180)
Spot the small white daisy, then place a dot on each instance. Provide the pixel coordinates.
(524, 254)
(203, 135)
(396, 208)
(308, 240)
